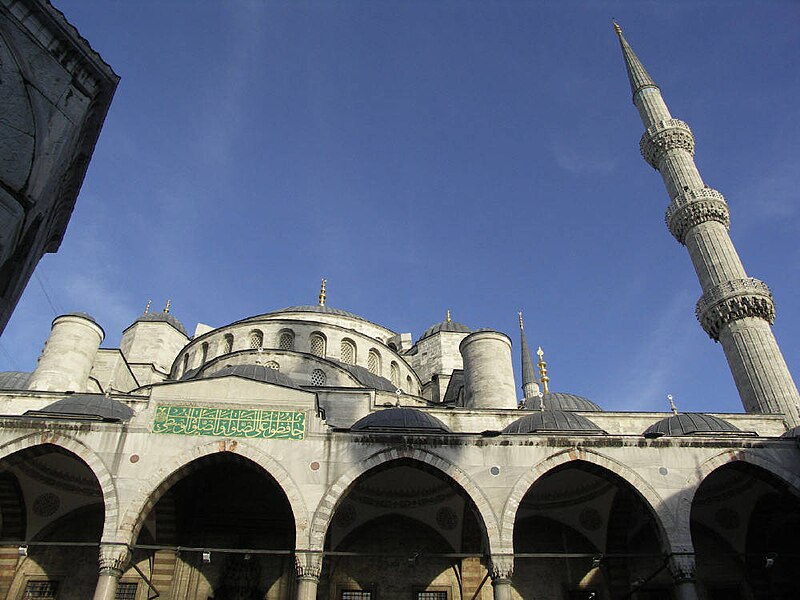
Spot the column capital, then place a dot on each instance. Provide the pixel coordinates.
(308, 564)
(502, 566)
(682, 567)
(113, 558)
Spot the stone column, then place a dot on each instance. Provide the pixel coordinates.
(113, 562)
(502, 569)
(683, 574)
(309, 566)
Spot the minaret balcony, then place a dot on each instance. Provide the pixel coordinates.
(694, 207)
(663, 136)
(733, 300)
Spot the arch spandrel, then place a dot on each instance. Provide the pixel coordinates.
(88, 457)
(663, 516)
(159, 483)
(337, 491)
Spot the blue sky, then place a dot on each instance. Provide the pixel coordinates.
(481, 157)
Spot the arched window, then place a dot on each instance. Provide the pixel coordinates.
(286, 340)
(409, 384)
(204, 353)
(392, 345)
(347, 352)
(318, 344)
(318, 377)
(256, 339)
(374, 362)
(227, 343)
(395, 371)
(273, 365)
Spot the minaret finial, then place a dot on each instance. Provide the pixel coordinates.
(672, 406)
(448, 316)
(166, 308)
(637, 74)
(322, 292)
(530, 387)
(147, 307)
(521, 324)
(543, 371)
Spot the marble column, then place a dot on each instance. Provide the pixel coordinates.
(502, 569)
(682, 567)
(113, 562)
(309, 566)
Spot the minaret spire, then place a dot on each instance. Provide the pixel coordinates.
(530, 388)
(734, 309)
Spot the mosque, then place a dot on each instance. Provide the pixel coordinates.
(308, 453)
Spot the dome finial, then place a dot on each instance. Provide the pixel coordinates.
(322, 292)
(672, 406)
(448, 316)
(166, 308)
(543, 371)
(147, 307)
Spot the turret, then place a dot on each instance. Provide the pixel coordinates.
(151, 344)
(488, 374)
(68, 354)
(734, 309)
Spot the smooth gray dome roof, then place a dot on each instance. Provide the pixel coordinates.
(94, 407)
(549, 421)
(365, 377)
(316, 308)
(445, 326)
(565, 401)
(256, 373)
(400, 419)
(14, 380)
(689, 424)
(162, 317)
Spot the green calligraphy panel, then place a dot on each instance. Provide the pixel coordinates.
(229, 422)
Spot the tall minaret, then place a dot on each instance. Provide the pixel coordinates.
(530, 388)
(735, 310)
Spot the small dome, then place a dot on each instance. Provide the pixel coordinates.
(400, 419)
(689, 424)
(365, 377)
(82, 315)
(794, 432)
(162, 317)
(95, 407)
(563, 401)
(552, 421)
(256, 373)
(14, 380)
(445, 325)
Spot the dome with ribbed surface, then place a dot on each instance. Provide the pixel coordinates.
(95, 407)
(564, 401)
(552, 421)
(445, 325)
(400, 419)
(162, 317)
(316, 308)
(255, 373)
(366, 377)
(690, 424)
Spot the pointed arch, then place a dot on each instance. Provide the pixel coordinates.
(159, 482)
(338, 490)
(88, 457)
(662, 516)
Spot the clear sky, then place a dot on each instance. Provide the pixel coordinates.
(476, 156)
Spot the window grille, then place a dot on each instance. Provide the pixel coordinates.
(374, 362)
(432, 595)
(256, 340)
(40, 589)
(348, 352)
(227, 343)
(395, 372)
(286, 341)
(273, 365)
(318, 377)
(318, 344)
(356, 595)
(126, 591)
(204, 353)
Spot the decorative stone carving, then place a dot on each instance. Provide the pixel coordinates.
(664, 136)
(694, 207)
(502, 566)
(308, 564)
(682, 567)
(734, 300)
(114, 559)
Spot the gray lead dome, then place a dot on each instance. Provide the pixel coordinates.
(689, 424)
(400, 419)
(94, 407)
(552, 421)
(255, 373)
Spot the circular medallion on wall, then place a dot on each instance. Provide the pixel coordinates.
(446, 518)
(46, 504)
(345, 515)
(590, 519)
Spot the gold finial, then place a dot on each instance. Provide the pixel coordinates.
(543, 371)
(147, 308)
(322, 293)
(166, 308)
(617, 28)
(521, 324)
(672, 406)
(448, 316)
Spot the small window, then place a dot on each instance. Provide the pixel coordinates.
(256, 339)
(395, 372)
(227, 343)
(204, 353)
(432, 595)
(185, 363)
(126, 591)
(409, 384)
(318, 344)
(41, 589)
(318, 377)
(356, 595)
(374, 362)
(286, 340)
(348, 352)
(273, 365)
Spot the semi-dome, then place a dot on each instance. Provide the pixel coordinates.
(446, 325)
(563, 401)
(552, 421)
(255, 373)
(163, 317)
(365, 377)
(93, 407)
(400, 419)
(14, 380)
(690, 424)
